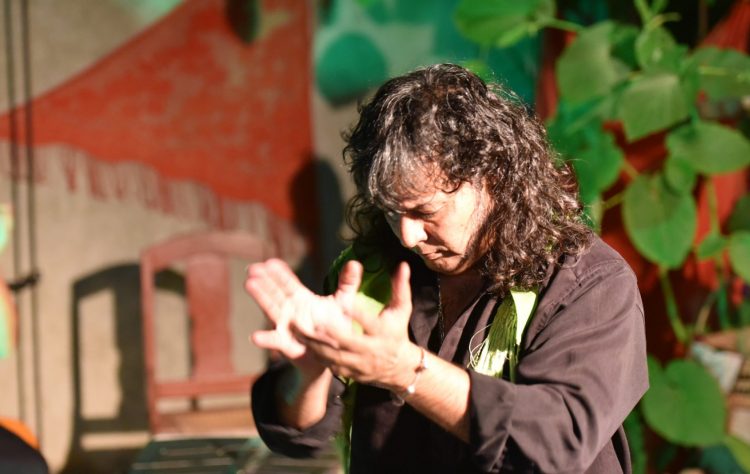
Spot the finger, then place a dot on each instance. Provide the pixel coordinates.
(401, 290)
(307, 335)
(344, 340)
(272, 340)
(268, 297)
(283, 277)
(349, 280)
(330, 355)
(350, 277)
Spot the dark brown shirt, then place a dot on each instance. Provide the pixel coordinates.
(582, 370)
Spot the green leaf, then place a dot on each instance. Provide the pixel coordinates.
(593, 213)
(598, 166)
(660, 223)
(684, 403)
(349, 67)
(623, 40)
(740, 217)
(481, 69)
(739, 254)
(658, 6)
(587, 69)
(718, 459)
(633, 425)
(710, 148)
(721, 73)
(711, 246)
(680, 176)
(740, 450)
(651, 103)
(656, 50)
(501, 22)
(573, 120)
(743, 313)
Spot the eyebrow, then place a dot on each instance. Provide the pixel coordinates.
(428, 206)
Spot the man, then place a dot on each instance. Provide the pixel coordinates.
(460, 199)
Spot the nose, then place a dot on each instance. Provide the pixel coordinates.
(411, 231)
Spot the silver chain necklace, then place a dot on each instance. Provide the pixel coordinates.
(441, 319)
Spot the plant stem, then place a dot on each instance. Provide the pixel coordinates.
(722, 306)
(722, 303)
(702, 19)
(563, 25)
(643, 11)
(703, 314)
(673, 313)
(659, 20)
(613, 201)
(629, 169)
(713, 205)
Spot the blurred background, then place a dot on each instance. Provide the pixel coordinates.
(150, 149)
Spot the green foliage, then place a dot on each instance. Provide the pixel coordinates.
(660, 223)
(719, 460)
(740, 450)
(502, 23)
(652, 102)
(684, 403)
(350, 65)
(711, 246)
(722, 73)
(739, 254)
(657, 51)
(680, 176)
(588, 68)
(644, 80)
(598, 166)
(740, 218)
(710, 148)
(633, 425)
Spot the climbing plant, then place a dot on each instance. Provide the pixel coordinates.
(619, 83)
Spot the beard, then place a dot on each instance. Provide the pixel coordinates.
(478, 244)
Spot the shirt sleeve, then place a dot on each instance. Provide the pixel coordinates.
(582, 372)
(285, 439)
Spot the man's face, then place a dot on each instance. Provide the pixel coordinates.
(443, 228)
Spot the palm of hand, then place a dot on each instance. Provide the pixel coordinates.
(291, 308)
(305, 312)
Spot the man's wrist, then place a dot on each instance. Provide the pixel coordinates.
(400, 394)
(296, 380)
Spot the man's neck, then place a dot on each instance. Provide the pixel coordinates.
(457, 292)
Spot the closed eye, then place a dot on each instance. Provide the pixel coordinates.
(424, 214)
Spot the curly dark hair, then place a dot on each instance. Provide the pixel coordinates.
(445, 115)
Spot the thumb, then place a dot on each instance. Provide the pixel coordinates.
(349, 280)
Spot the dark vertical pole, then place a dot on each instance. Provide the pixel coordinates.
(14, 174)
(702, 20)
(31, 213)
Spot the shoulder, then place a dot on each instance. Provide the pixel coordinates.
(597, 275)
(599, 261)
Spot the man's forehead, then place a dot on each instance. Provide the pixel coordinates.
(418, 198)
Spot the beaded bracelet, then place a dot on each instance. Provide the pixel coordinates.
(399, 398)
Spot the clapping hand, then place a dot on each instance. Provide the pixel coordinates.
(317, 331)
(292, 308)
